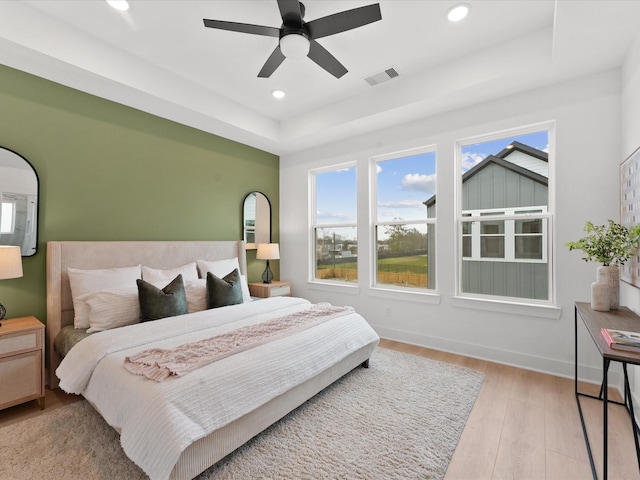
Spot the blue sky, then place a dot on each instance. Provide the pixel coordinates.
(336, 196)
(402, 183)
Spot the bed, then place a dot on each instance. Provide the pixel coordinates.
(203, 415)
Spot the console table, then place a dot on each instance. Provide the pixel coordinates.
(621, 319)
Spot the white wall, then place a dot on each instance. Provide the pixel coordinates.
(631, 138)
(587, 115)
(630, 295)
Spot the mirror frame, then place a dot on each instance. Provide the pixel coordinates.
(37, 206)
(254, 246)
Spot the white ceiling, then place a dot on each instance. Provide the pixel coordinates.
(158, 57)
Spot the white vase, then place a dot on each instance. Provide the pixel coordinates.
(611, 276)
(600, 297)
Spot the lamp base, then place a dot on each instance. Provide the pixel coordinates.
(267, 275)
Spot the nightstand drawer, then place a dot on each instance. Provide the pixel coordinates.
(274, 289)
(21, 361)
(281, 291)
(20, 377)
(19, 342)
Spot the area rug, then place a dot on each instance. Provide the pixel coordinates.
(399, 419)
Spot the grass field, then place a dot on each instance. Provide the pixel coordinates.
(414, 261)
(403, 271)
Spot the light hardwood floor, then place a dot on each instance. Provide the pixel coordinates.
(524, 426)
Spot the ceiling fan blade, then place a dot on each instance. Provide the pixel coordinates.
(243, 28)
(343, 21)
(290, 12)
(322, 57)
(273, 62)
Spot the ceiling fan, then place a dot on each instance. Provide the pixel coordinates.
(297, 38)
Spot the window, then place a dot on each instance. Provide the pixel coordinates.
(404, 221)
(504, 217)
(7, 210)
(512, 240)
(334, 227)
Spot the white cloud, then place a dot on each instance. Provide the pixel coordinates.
(334, 217)
(471, 159)
(401, 204)
(421, 183)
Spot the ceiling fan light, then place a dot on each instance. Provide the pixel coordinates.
(458, 12)
(294, 46)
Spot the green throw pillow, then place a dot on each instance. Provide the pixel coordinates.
(224, 291)
(158, 303)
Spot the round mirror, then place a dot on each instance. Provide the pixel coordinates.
(18, 202)
(256, 220)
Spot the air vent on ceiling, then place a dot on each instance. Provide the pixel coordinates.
(381, 77)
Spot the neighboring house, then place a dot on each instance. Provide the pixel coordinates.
(506, 257)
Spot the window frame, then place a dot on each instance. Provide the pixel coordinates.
(484, 301)
(509, 216)
(374, 224)
(12, 216)
(314, 225)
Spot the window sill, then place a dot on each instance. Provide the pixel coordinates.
(532, 310)
(336, 287)
(405, 295)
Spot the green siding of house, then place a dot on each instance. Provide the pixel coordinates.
(111, 172)
(496, 187)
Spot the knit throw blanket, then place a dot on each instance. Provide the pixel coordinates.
(159, 364)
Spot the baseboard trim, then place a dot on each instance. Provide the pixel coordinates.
(558, 368)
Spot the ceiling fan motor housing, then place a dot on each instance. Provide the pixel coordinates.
(297, 38)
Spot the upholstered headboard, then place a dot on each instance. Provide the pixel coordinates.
(91, 255)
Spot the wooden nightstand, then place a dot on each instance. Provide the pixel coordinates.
(21, 361)
(273, 289)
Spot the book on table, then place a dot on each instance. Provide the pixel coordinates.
(622, 340)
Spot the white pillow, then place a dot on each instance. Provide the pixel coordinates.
(88, 281)
(154, 275)
(222, 268)
(196, 291)
(219, 268)
(112, 309)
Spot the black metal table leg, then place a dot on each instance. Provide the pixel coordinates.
(578, 394)
(629, 402)
(605, 418)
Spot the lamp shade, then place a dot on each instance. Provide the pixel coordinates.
(10, 262)
(268, 251)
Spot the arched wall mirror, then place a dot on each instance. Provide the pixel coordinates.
(256, 219)
(18, 202)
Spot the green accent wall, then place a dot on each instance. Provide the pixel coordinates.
(111, 172)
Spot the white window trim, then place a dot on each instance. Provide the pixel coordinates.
(384, 290)
(524, 306)
(313, 282)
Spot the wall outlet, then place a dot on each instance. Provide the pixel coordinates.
(388, 311)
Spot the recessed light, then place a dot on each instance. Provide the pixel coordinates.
(121, 5)
(458, 12)
(278, 94)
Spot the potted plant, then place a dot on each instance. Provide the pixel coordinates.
(611, 245)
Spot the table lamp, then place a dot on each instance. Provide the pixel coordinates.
(268, 251)
(10, 267)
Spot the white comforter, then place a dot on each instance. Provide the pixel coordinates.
(158, 421)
